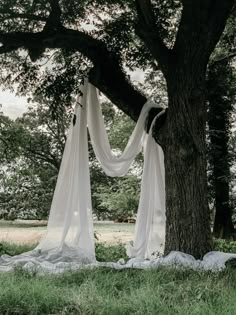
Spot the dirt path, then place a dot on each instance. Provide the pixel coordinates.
(32, 233)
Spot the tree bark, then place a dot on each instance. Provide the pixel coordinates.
(184, 145)
(220, 96)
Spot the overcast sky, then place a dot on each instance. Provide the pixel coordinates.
(12, 106)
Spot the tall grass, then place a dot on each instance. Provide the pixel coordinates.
(110, 292)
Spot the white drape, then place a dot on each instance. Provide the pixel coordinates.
(70, 223)
(69, 242)
(150, 225)
(70, 226)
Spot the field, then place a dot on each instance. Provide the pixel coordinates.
(28, 232)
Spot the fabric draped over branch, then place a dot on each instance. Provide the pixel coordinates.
(69, 242)
(70, 223)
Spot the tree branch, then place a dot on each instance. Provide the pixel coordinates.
(5, 49)
(107, 74)
(54, 19)
(225, 58)
(147, 30)
(202, 21)
(220, 11)
(43, 157)
(14, 15)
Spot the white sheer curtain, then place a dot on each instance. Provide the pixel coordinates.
(150, 225)
(69, 242)
(70, 223)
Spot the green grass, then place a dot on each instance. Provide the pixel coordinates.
(15, 249)
(106, 291)
(111, 292)
(104, 252)
(18, 224)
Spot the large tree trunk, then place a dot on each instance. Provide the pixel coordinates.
(220, 96)
(187, 213)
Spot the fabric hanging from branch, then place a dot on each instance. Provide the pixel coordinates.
(70, 225)
(69, 242)
(150, 225)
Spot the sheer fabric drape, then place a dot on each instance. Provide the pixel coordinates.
(70, 223)
(69, 242)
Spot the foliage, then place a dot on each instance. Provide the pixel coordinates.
(14, 249)
(32, 150)
(225, 246)
(112, 22)
(121, 198)
(31, 155)
(24, 195)
(105, 252)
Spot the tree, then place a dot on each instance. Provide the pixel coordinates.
(221, 98)
(221, 95)
(31, 153)
(178, 35)
(119, 198)
(24, 193)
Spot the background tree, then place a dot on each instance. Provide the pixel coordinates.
(31, 154)
(221, 98)
(178, 35)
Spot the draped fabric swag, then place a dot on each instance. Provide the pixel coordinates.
(69, 242)
(70, 225)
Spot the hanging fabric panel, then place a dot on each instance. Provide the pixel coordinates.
(70, 225)
(150, 225)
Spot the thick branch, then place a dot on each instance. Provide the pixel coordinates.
(202, 23)
(107, 74)
(54, 19)
(14, 15)
(219, 13)
(5, 49)
(147, 30)
(43, 157)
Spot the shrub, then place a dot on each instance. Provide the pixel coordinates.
(224, 246)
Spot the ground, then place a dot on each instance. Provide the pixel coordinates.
(28, 232)
(105, 291)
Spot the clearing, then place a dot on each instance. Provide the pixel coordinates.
(31, 232)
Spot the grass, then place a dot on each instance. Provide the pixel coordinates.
(104, 252)
(15, 249)
(106, 291)
(111, 292)
(19, 224)
(99, 226)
